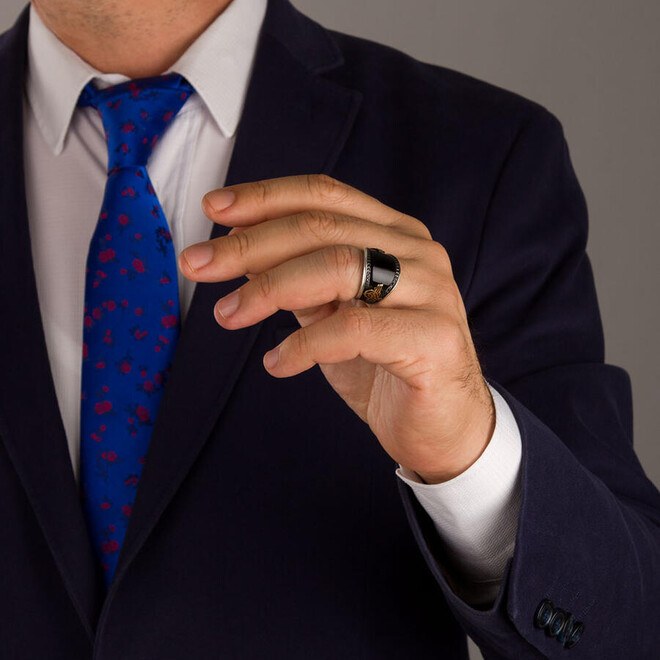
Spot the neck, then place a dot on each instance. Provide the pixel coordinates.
(137, 38)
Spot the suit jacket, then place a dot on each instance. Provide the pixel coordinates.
(269, 522)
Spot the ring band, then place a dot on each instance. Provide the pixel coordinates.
(380, 274)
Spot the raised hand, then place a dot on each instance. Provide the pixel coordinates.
(406, 365)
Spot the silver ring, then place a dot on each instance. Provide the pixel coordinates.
(380, 274)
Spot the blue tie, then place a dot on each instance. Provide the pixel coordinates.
(131, 321)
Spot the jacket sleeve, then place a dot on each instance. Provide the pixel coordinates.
(588, 538)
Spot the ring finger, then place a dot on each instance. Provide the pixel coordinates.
(333, 273)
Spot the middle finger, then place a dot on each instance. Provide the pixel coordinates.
(260, 247)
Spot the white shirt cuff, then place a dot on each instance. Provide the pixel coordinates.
(476, 513)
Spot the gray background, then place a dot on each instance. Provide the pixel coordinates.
(596, 65)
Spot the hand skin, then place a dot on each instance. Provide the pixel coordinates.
(407, 365)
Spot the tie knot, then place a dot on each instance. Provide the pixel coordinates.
(135, 115)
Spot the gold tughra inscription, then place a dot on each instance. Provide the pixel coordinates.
(373, 295)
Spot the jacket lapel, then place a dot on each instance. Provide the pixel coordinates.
(294, 122)
(30, 422)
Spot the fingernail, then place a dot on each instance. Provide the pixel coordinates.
(271, 358)
(219, 200)
(199, 255)
(228, 305)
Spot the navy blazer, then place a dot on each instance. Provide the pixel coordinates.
(269, 522)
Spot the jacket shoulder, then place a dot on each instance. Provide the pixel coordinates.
(397, 82)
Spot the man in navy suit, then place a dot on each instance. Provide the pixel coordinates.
(269, 521)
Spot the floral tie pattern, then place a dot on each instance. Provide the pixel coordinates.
(131, 320)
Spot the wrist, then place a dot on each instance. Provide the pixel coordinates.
(469, 445)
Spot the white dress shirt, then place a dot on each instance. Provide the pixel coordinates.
(65, 157)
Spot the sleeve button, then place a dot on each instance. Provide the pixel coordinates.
(544, 613)
(574, 636)
(557, 623)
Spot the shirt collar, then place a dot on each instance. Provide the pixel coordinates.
(217, 64)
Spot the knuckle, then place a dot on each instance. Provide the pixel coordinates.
(447, 297)
(452, 341)
(299, 342)
(326, 188)
(340, 260)
(264, 284)
(358, 321)
(420, 229)
(321, 224)
(413, 226)
(261, 191)
(241, 243)
(440, 255)
(447, 293)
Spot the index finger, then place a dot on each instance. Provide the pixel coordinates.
(247, 204)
